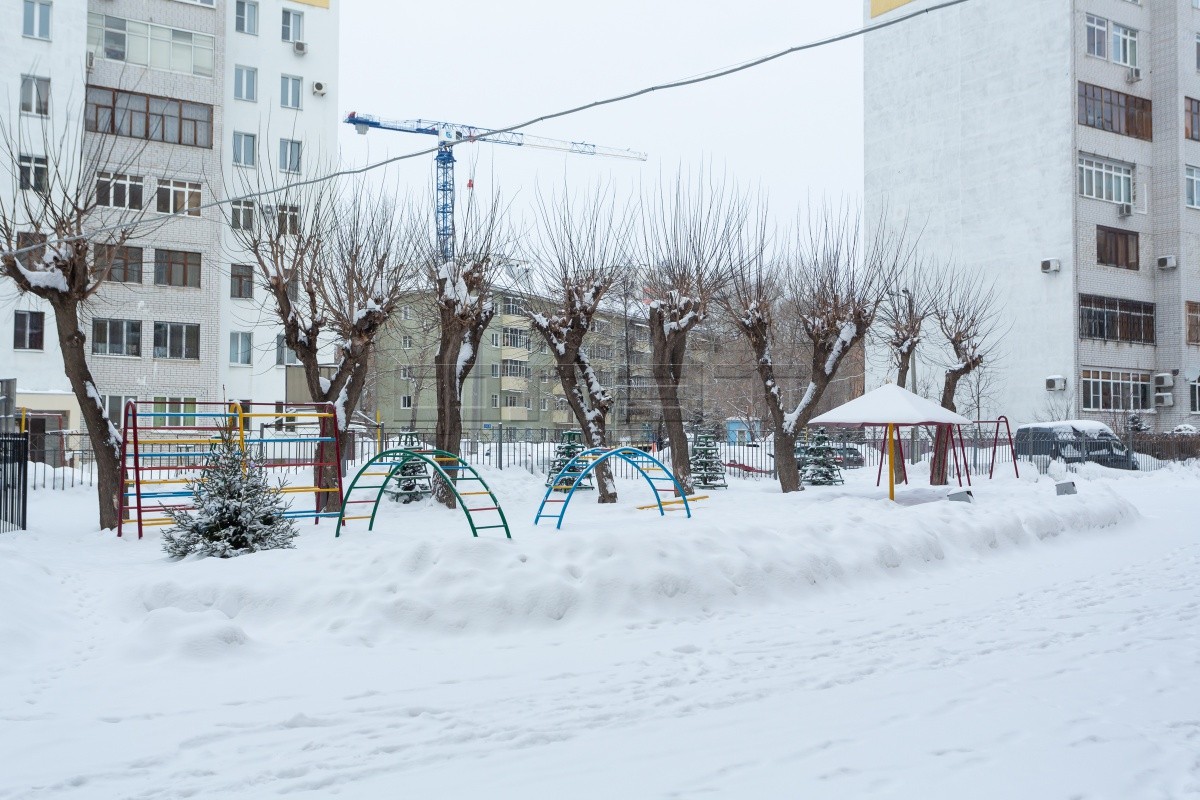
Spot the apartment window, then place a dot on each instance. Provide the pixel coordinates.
(176, 268)
(241, 215)
(545, 404)
(284, 355)
(1114, 390)
(516, 337)
(28, 330)
(1105, 180)
(30, 239)
(495, 401)
(37, 19)
(287, 218)
(289, 91)
(1195, 397)
(1124, 45)
(293, 26)
(34, 172)
(241, 281)
(512, 305)
(511, 368)
(1191, 186)
(142, 116)
(406, 401)
(117, 337)
(495, 340)
(175, 412)
(495, 370)
(245, 17)
(245, 83)
(1191, 119)
(124, 264)
(176, 340)
(1197, 47)
(241, 345)
(245, 149)
(35, 95)
(405, 372)
(1193, 322)
(114, 190)
(1116, 248)
(406, 342)
(179, 197)
(1114, 320)
(149, 45)
(289, 155)
(1114, 111)
(514, 401)
(1097, 36)
(114, 407)
(406, 312)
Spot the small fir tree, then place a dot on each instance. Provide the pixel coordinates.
(820, 468)
(236, 510)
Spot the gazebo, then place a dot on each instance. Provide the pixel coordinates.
(891, 407)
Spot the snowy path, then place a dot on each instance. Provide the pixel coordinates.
(1069, 671)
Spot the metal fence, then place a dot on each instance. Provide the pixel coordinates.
(14, 461)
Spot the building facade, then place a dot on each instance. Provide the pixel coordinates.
(1054, 146)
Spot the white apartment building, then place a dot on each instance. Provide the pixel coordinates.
(1054, 145)
(195, 97)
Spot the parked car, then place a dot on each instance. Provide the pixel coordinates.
(848, 457)
(1074, 442)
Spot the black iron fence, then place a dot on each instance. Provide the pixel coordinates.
(14, 462)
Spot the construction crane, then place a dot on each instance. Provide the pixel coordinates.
(450, 134)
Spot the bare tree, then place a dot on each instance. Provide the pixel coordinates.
(580, 254)
(903, 314)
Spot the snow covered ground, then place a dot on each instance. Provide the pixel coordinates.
(825, 644)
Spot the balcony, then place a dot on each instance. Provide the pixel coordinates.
(514, 414)
(565, 417)
(509, 383)
(514, 354)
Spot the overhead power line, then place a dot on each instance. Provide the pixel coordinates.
(662, 87)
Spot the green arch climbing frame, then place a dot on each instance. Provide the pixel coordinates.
(642, 461)
(451, 468)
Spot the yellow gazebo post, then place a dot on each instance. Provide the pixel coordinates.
(891, 463)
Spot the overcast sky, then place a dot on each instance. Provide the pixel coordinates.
(793, 127)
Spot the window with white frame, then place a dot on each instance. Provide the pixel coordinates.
(405, 312)
(406, 342)
(1198, 50)
(1191, 186)
(245, 149)
(114, 190)
(117, 337)
(241, 347)
(178, 197)
(495, 401)
(36, 23)
(545, 404)
(495, 340)
(35, 95)
(245, 83)
(245, 17)
(1102, 179)
(289, 155)
(1097, 36)
(406, 401)
(29, 329)
(1124, 45)
(289, 91)
(34, 173)
(293, 26)
(114, 406)
(175, 412)
(404, 373)
(149, 45)
(284, 355)
(241, 215)
(1195, 396)
(511, 368)
(1115, 390)
(495, 370)
(514, 400)
(177, 340)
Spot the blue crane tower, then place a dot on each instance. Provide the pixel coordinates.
(450, 134)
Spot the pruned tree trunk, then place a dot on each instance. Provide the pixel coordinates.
(668, 344)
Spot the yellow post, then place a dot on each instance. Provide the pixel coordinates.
(24, 411)
(891, 464)
(378, 431)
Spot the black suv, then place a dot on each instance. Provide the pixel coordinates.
(1053, 441)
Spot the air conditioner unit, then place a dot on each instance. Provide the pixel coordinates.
(1125, 210)
(1134, 75)
(299, 48)
(1164, 380)
(1167, 262)
(1164, 400)
(1051, 265)
(1056, 383)
(320, 88)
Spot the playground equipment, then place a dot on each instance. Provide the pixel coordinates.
(708, 471)
(411, 482)
(640, 460)
(155, 470)
(570, 444)
(450, 468)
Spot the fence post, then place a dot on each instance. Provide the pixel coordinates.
(500, 445)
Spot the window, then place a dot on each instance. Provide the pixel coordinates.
(149, 45)
(545, 404)
(30, 239)
(512, 305)
(114, 190)
(1191, 117)
(495, 340)
(1114, 111)
(514, 401)
(1113, 390)
(241, 281)
(292, 287)
(241, 345)
(175, 411)
(245, 83)
(1105, 180)
(1124, 45)
(114, 407)
(176, 268)
(1193, 322)
(245, 17)
(1114, 320)
(289, 91)
(124, 264)
(37, 19)
(35, 95)
(28, 330)
(406, 401)
(179, 197)
(284, 355)
(1197, 47)
(516, 337)
(495, 370)
(405, 372)
(142, 116)
(245, 149)
(1097, 36)
(117, 337)
(1116, 248)
(406, 342)
(495, 401)
(241, 215)
(287, 218)
(405, 312)
(176, 340)
(511, 368)
(289, 155)
(1191, 186)
(293, 26)
(1195, 397)
(34, 172)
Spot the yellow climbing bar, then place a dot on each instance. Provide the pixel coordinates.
(305, 489)
(674, 502)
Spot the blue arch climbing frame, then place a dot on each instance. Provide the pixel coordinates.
(640, 460)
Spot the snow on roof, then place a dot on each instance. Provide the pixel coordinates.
(890, 405)
(1082, 425)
